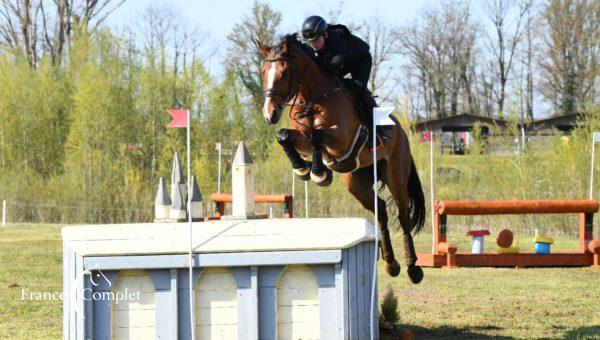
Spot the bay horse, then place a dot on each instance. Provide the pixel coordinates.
(325, 125)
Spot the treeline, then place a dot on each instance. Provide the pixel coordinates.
(83, 134)
(544, 56)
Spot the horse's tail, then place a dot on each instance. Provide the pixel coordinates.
(416, 199)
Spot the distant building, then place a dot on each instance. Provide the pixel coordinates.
(564, 123)
(456, 131)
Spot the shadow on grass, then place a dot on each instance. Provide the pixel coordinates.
(588, 332)
(445, 332)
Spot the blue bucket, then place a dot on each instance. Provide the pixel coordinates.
(542, 248)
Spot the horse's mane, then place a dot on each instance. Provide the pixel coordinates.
(292, 41)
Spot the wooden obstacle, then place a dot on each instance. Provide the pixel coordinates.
(253, 279)
(445, 254)
(221, 199)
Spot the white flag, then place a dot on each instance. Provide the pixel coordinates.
(596, 137)
(381, 116)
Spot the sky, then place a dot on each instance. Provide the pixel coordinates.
(217, 18)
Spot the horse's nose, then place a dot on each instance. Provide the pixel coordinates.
(273, 116)
(268, 113)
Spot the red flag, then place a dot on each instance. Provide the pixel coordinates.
(179, 118)
(217, 146)
(426, 136)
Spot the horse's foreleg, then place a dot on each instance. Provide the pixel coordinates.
(290, 140)
(319, 173)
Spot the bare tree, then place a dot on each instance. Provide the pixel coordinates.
(529, 66)
(570, 53)
(384, 41)
(441, 49)
(169, 39)
(41, 27)
(508, 32)
(336, 15)
(19, 26)
(156, 24)
(461, 34)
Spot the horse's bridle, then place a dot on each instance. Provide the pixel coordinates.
(271, 92)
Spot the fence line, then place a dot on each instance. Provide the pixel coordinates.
(78, 207)
(16, 211)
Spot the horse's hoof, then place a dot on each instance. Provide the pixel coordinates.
(415, 273)
(324, 180)
(392, 268)
(303, 174)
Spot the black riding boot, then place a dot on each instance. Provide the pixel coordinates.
(369, 103)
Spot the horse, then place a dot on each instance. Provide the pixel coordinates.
(325, 125)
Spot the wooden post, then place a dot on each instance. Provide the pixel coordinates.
(449, 251)
(288, 208)
(451, 261)
(586, 230)
(219, 209)
(439, 228)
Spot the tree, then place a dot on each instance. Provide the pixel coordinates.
(246, 62)
(570, 53)
(509, 28)
(461, 37)
(528, 65)
(170, 74)
(441, 50)
(384, 42)
(100, 128)
(243, 56)
(38, 27)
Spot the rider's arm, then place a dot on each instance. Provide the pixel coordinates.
(333, 65)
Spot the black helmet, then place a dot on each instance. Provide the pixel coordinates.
(313, 27)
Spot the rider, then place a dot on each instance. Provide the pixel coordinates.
(338, 53)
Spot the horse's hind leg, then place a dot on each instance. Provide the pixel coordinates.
(397, 182)
(291, 141)
(360, 185)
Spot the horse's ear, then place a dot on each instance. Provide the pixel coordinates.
(262, 48)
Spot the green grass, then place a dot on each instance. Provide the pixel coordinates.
(476, 303)
(30, 261)
(482, 303)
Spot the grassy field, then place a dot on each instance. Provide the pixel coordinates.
(481, 303)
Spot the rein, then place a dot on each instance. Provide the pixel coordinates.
(307, 111)
(270, 92)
